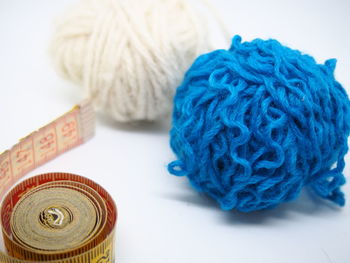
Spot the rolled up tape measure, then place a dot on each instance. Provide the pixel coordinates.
(55, 217)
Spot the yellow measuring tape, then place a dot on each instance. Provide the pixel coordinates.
(55, 217)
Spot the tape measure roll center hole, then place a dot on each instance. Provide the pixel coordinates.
(56, 217)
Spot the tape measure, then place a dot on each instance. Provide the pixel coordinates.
(55, 217)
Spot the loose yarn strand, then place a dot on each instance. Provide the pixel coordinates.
(216, 14)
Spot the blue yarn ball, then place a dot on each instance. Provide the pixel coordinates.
(254, 124)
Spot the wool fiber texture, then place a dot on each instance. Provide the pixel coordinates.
(129, 56)
(254, 124)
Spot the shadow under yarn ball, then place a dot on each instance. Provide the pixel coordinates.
(254, 124)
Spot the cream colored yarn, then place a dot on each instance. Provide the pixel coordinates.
(129, 55)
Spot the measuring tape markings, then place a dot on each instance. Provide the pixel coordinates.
(66, 132)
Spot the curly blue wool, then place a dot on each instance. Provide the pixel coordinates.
(254, 124)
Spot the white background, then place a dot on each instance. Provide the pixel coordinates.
(161, 219)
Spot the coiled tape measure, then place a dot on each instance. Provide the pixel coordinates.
(55, 217)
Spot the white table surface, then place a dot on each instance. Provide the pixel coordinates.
(161, 219)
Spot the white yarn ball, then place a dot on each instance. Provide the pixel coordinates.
(129, 55)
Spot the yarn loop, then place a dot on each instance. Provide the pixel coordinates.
(254, 124)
